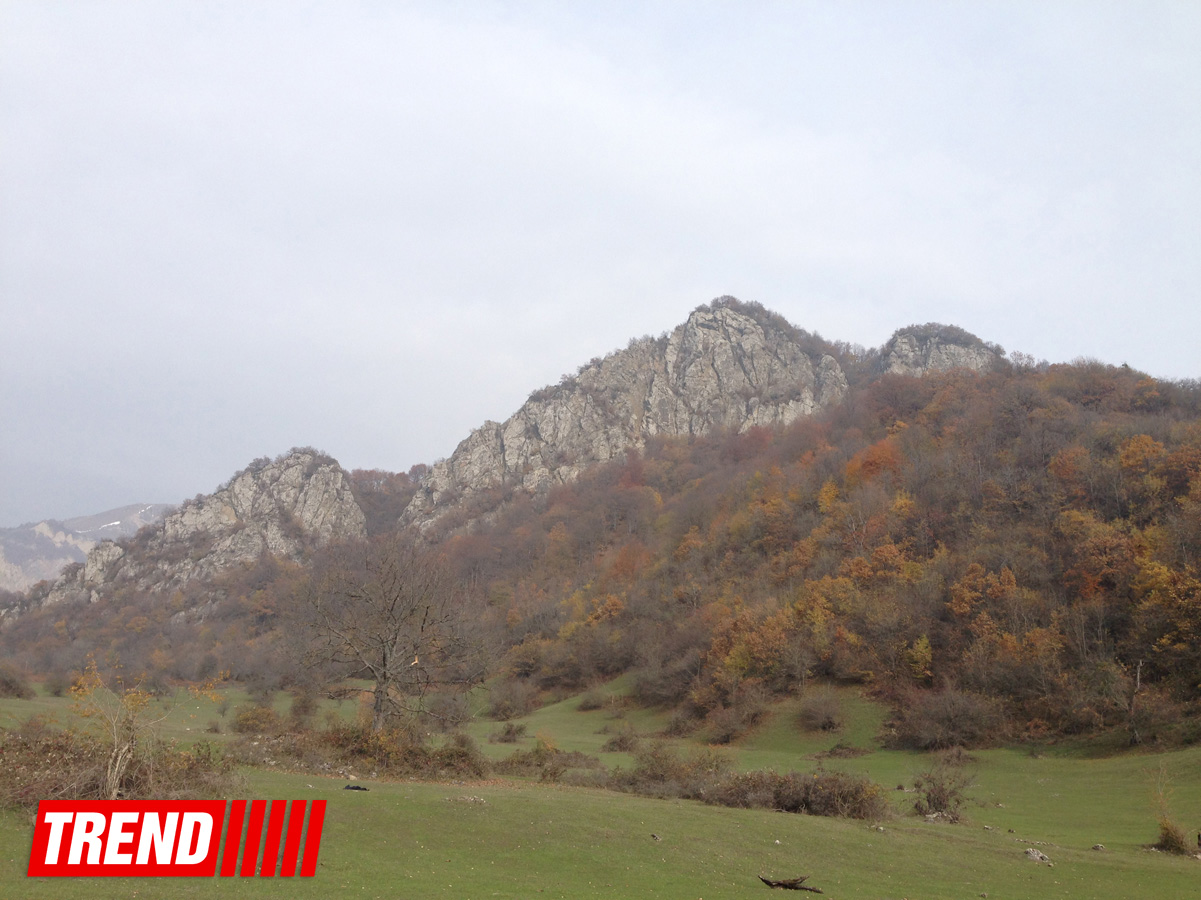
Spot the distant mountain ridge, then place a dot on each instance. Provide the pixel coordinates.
(730, 365)
(276, 507)
(35, 551)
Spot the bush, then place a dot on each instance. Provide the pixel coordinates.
(303, 708)
(625, 741)
(512, 698)
(41, 762)
(546, 761)
(660, 771)
(590, 701)
(820, 711)
(948, 718)
(820, 793)
(942, 790)
(1172, 838)
(507, 735)
(251, 718)
(13, 683)
(58, 684)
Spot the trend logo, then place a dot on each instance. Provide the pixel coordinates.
(177, 838)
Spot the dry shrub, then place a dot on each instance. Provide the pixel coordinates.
(820, 793)
(42, 763)
(1172, 838)
(546, 761)
(947, 718)
(942, 789)
(398, 751)
(820, 711)
(512, 698)
(251, 718)
(625, 741)
(746, 709)
(591, 700)
(507, 735)
(13, 683)
(660, 771)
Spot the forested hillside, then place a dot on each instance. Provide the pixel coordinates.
(1004, 553)
(1017, 550)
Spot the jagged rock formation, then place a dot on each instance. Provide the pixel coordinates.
(731, 365)
(919, 349)
(31, 553)
(278, 507)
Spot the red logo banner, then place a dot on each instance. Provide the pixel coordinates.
(176, 838)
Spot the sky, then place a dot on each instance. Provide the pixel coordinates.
(231, 228)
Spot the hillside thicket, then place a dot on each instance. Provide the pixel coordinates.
(1015, 552)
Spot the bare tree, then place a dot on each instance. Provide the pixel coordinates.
(388, 610)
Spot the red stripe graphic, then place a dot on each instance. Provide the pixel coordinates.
(287, 868)
(233, 837)
(312, 839)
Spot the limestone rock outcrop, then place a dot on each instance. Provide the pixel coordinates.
(277, 507)
(730, 365)
(919, 349)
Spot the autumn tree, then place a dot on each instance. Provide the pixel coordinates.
(389, 611)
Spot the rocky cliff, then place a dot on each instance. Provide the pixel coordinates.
(730, 365)
(279, 507)
(919, 349)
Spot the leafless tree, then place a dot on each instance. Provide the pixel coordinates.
(388, 610)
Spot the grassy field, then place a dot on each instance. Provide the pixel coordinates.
(514, 838)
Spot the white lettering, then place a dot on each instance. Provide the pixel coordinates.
(56, 821)
(88, 828)
(117, 835)
(197, 826)
(160, 835)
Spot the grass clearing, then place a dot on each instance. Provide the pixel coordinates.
(426, 840)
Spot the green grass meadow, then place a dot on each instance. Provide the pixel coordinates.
(514, 838)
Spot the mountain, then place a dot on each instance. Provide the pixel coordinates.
(33, 552)
(277, 507)
(731, 365)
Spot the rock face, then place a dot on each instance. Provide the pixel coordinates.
(730, 365)
(919, 349)
(277, 507)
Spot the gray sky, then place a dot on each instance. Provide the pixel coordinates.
(231, 228)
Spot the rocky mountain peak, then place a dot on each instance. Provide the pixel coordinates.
(919, 349)
(730, 365)
(278, 506)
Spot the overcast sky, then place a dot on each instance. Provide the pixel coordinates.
(231, 228)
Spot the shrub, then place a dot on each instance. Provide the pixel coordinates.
(303, 708)
(820, 711)
(511, 698)
(820, 793)
(13, 683)
(250, 718)
(58, 684)
(1172, 838)
(41, 762)
(942, 790)
(625, 741)
(590, 701)
(507, 735)
(948, 718)
(660, 771)
(546, 761)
